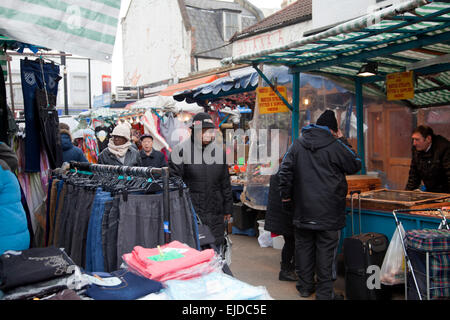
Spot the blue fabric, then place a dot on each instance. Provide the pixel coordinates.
(14, 234)
(31, 78)
(94, 247)
(70, 152)
(131, 288)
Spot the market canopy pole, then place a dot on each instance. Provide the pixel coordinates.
(86, 28)
(360, 123)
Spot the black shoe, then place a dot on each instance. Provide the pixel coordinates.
(287, 276)
(305, 293)
(338, 296)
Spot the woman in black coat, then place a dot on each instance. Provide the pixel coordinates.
(279, 221)
(208, 182)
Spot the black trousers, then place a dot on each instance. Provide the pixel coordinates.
(315, 253)
(288, 253)
(49, 127)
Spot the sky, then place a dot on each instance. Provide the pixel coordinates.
(117, 69)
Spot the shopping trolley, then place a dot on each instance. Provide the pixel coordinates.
(429, 251)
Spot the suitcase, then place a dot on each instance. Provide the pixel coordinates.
(361, 251)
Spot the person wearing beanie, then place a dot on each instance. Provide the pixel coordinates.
(119, 151)
(312, 183)
(200, 161)
(70, 152)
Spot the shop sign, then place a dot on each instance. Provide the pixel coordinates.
(268, 100)
(400, 85)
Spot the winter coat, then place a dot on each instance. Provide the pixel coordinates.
(156, 159)
(14, 234)
(312, 174)
(209, 186)
(70, 152)
(432, 167)
(277, 220)
(132, 158)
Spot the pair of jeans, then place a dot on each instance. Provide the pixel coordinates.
(18, 268)
(49, 127)
(3, 110)
(94, 249)
(316, 253)
(33, 75)
(132, 286)
(110, 224)
(58, 203)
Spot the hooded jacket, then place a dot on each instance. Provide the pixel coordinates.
(431, 167)
(209, 186)
(14, 234)
(312, 174)
(70, 152)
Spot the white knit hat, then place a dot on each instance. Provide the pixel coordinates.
(122, 130)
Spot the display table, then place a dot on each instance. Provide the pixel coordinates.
(377, 207)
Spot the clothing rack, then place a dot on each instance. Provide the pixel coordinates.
(146, 172)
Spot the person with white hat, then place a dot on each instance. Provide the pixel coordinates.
(119, 150)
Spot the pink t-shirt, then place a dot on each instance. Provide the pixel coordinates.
(139, 259)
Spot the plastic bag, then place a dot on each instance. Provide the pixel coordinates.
(393, 267)
(265, 238)
(226, 249)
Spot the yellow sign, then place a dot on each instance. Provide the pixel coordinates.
(400, 85)
(269, 102)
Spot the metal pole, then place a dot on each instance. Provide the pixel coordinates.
(295, 104)
(166, 204)
(89, 82)
(8, 58)
(428, 274)
(360, 123)
(66, 103)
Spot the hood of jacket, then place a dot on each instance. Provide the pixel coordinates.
(66, 142)
(316, 137)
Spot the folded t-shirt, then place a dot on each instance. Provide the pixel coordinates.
(151, 262)
(19, 268)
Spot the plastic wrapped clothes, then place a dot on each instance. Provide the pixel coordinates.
(215, 286)
(168, 261)
(76, 282)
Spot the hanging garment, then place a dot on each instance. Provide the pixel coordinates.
(151, 127)
(173, 130)
(33, 75)
(49, 127)
(3, 110)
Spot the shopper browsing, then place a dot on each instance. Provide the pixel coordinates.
(119, 151)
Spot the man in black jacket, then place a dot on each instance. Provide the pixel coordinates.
(313, 182)
(149, 156)
(430, 161)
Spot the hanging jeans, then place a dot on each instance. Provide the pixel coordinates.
(33, 75)
(110, 224)
(49, 127)
(94, 250)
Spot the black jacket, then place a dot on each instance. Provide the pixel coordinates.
(277, 220)
(313, 174)
(209, 186)
(132, 158)
(432, 167)
(156, 159)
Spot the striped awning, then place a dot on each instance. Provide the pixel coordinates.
(86, 28)
(413, 35)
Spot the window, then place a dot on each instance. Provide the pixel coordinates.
(78, 85)
(232, 24)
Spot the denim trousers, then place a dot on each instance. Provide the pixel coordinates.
(33, 75)
(94, 249)
(132, 287)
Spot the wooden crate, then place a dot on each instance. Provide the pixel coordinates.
(363, 183)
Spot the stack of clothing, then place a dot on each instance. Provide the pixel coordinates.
(39, 273)
(171, 261)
